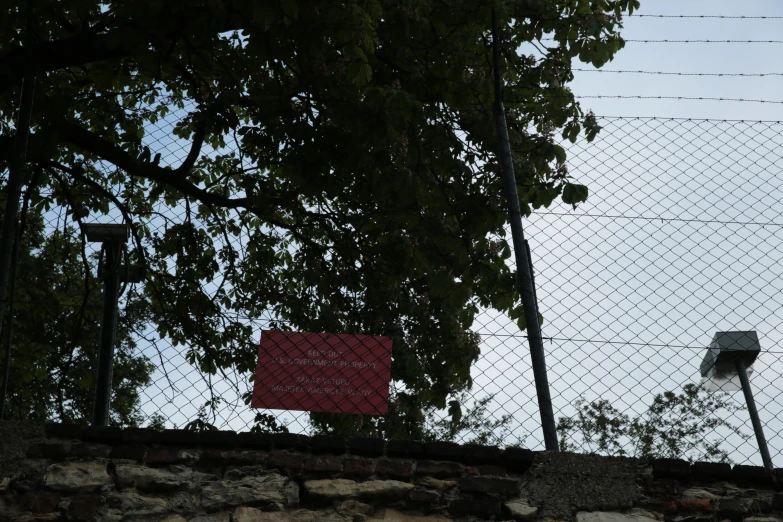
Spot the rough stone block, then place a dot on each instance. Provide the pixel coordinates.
(76, 477)
(711, 471)
(742, 475)
(517, 459)
(443, 450)
(218, 439)
(405, 448)
(104, 434)
(254, 440)
(165, 456)
(663, 488)
(133, 506)
(392, 515)
(249, 514)
(671, 468)
(354, 509)
(358, 466)
(394, 468)
(285, 460)
(607, 516)
(128, 452)
(366, 446)
(732, 508)
(39, 501)
(179, 437)
(436, 484)
(700, 494)
(151, 480)
(89, 450)
(423, 496)
(264, 490)
(48, 450)
(492, 469)
(520, 509)
(56, 430)
(384, 490)
(328, 444)
(139, 436)
(495, 486)
(323, 463)
(216, 457)
(243, 471)
(480, 508)
(83, 507)
(218, 517)
(559, 482)
(694, 505)
(340, 489)
(476, 454)
(290, 441)
(439, 469)
(761, 505)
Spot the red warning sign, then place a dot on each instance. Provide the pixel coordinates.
(334, 373)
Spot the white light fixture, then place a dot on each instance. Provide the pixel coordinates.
(726, 366)
(718, 370)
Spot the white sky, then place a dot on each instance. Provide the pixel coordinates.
(676, 281)
(693, 58)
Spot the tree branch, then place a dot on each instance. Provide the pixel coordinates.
(177, 178)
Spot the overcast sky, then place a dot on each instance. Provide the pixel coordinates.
(674, 282)
(693, 58)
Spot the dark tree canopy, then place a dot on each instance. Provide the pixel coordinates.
(349, 144)
(687, 424)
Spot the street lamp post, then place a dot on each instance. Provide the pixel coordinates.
(726, 366)
(112, 271)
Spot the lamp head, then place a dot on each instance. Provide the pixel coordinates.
(718, 368)
(106, 232)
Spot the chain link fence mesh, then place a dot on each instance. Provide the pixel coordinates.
(680, 238)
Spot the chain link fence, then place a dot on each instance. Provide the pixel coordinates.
(680, 238)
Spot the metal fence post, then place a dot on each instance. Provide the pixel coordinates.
(13, 193)
(108, 338)
(754, 415)
(524, 275)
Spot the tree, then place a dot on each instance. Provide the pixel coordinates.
(340, 170)
(56, 331)
(676, 425)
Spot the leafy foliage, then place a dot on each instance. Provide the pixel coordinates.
(676, 425)
(476, 423)
(339, 172)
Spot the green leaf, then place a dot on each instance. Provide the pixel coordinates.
(573, 194)
(455, 411)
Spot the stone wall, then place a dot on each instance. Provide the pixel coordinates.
(63, 472)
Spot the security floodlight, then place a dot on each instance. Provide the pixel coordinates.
(112, 271)
(725, 367)
(718, 369)
(105, 232)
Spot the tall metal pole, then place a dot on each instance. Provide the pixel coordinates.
(742, 370)
(524, 272)
(10, 329)
(13, 193)
(111, 292)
